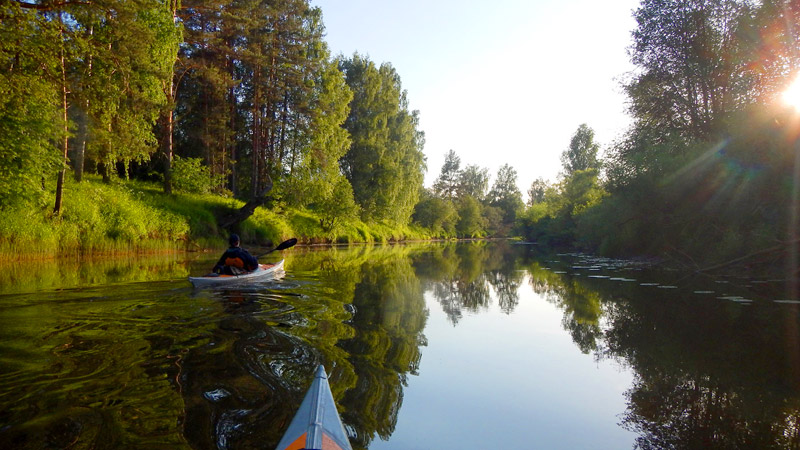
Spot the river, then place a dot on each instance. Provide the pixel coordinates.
(428, 346)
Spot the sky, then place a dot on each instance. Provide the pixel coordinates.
(501, 82)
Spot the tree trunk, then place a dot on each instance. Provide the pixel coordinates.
(233, 157)
(167, 125)
(65, 139)
(106, 167)
(256, 154)
(168, 116)
(77, 165)
(232, 220)
(84, 127)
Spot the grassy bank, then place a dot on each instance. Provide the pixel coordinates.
(137, 217)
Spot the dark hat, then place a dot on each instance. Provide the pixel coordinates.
(234, 239)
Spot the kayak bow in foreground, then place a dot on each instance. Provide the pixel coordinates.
(316, 425)
(264, 272)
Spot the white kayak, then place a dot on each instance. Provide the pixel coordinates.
(264, 272)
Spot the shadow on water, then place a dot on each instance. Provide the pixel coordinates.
(127, 354)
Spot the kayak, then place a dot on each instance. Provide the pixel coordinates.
(264, 272)
(316, 425)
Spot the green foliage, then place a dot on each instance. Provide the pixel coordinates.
(705, 173)
(385, 162)
(582, 191)
(505, 196)
(473, 181)
(96, 218)
(191, 175)
(731, 192)
(700, 61)
(537, 191)
(316, 173)
(338, 207)
(29, 106)
(531, 215)
(453, 207)
(447, 184)
(437, 214)
(471, 222)
(582, 151)
(123, 59)
(255, 95)
(555, 219)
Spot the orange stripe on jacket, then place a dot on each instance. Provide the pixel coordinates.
(235, 262)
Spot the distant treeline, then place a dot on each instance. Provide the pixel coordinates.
(708, 173)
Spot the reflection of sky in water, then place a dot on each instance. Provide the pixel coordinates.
(518, 380)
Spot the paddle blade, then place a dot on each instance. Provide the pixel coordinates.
(286, 244)
(282, 246)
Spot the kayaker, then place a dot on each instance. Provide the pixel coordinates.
(235, 260)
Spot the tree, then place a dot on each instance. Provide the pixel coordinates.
(29, 105)
(536, 193)
(384, 164)
(133, 47)
(470, 218)
(436, 213)
(276, 51)
(473, 181)
(102, 58)
(190, 175)
(692, 66)
(505, 194)
(315, 171)
(582, 151)
(581, 191)
(447, 184)
(338, 206)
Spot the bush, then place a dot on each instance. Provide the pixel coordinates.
(338, 207)
(190, 175)
(437, 214)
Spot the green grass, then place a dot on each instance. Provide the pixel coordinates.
(137, 217)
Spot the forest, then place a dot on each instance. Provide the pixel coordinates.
(109, 104)
(128, 124)
(707, 176)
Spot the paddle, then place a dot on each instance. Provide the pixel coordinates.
(282, 246)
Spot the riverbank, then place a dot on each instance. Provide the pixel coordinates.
(137, 217)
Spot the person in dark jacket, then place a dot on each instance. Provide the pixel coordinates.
(235, 260)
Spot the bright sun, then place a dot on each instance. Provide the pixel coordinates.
(791, 96)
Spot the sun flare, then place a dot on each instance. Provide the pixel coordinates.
(791, 96)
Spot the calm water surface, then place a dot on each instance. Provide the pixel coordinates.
(469, 346)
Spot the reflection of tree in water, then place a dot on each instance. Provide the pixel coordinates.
(582, 313)
(506, 287)
(582, 306)
(471, 272)
(77, 375)
(457, 295)
(243, 391)
(708, 374)
(684, 411)
(259, 359)
(386, 347)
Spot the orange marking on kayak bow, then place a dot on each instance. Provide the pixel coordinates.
(328, 443)
(299, 443)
